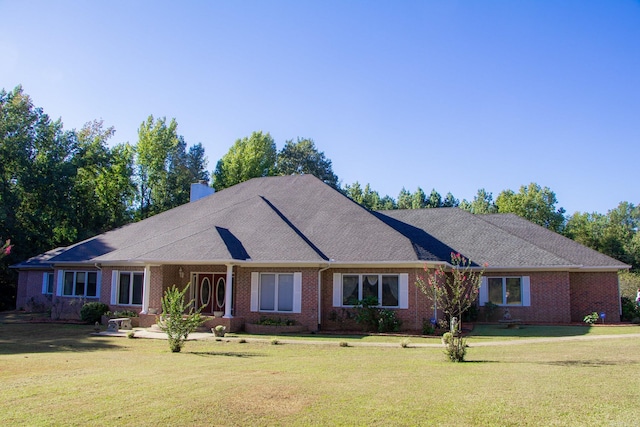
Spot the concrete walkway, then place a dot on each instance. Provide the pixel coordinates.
(200, 336)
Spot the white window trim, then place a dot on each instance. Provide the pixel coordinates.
(46, 282)
(115, 287)
(403, 289)
(60, 290)
(525, 290)
(297, 292)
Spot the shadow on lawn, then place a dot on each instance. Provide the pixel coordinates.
(528, 331)
(19, 338)
(225, 353)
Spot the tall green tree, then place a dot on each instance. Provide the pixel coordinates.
(157, 140)
(197, 163)
(302, 157)
(614, 234)
(419, 199)
(103, 181)
(450, 201)
(482, 203)
(405, 199)
(434, 200)
(534, 203)
(249, 157)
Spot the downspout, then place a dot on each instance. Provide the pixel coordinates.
(320, 293)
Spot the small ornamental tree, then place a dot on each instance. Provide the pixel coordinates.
(173, 319)
(454, 292)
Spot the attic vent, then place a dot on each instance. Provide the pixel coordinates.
(199, 190)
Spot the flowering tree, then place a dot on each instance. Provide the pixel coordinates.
(453, 291)
(5, 249)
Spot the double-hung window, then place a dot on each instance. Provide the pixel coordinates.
(129, 288)
(80, 284)
(505, 291)
(48, 283)
(389, 290)
(276, 292)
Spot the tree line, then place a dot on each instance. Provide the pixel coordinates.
(61, 186)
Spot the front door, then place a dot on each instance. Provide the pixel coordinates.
(211, 292)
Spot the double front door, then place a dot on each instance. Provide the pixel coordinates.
(211, 292)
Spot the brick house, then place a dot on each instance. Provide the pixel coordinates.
(294, 248)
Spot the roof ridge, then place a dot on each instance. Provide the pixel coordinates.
(295, 229)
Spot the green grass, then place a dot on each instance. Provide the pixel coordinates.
(53, 374)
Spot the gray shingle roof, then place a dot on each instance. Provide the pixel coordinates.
(299, 219)
(500, 240)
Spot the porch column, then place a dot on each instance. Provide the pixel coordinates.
(146, 289)
(228, 294)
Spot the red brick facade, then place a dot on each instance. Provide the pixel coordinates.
(595, 292)
(556, 297)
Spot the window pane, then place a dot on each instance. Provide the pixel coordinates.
(137, 288)
(68, 283)
(514, 291)
(123, 291)
(349, 290)
(92, 280)
(50, 283)
(370, 286)
(80, 280)
(390, 291)
(268, 292)
(285, 292)
(495, 290)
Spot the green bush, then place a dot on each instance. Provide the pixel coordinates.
(591, 318)
(267, 321)
(630, 309)
(91, 312)
(388, 321)
(367, 313)
(427, 327)
(174, 321)
(456, 348)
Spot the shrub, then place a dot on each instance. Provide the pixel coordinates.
(428, 328)
(489, 310)
(388, 321)
(591, 318)
(367, 313)
(405, 343)
(344, 344)
(456, 348)
(174, 322)
(267, 321)
(275, 341)
(91, 312)
(630, 309)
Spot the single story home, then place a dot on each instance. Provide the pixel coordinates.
(293, 248)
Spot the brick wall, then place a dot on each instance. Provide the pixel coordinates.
(550, 298)
(337, 318)
(596, 291)
(309, 304)
(29, 295)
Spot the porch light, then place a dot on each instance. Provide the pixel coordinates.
(181, 273)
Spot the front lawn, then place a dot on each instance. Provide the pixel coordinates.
(53, 374)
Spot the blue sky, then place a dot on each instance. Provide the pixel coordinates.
(451, 95)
